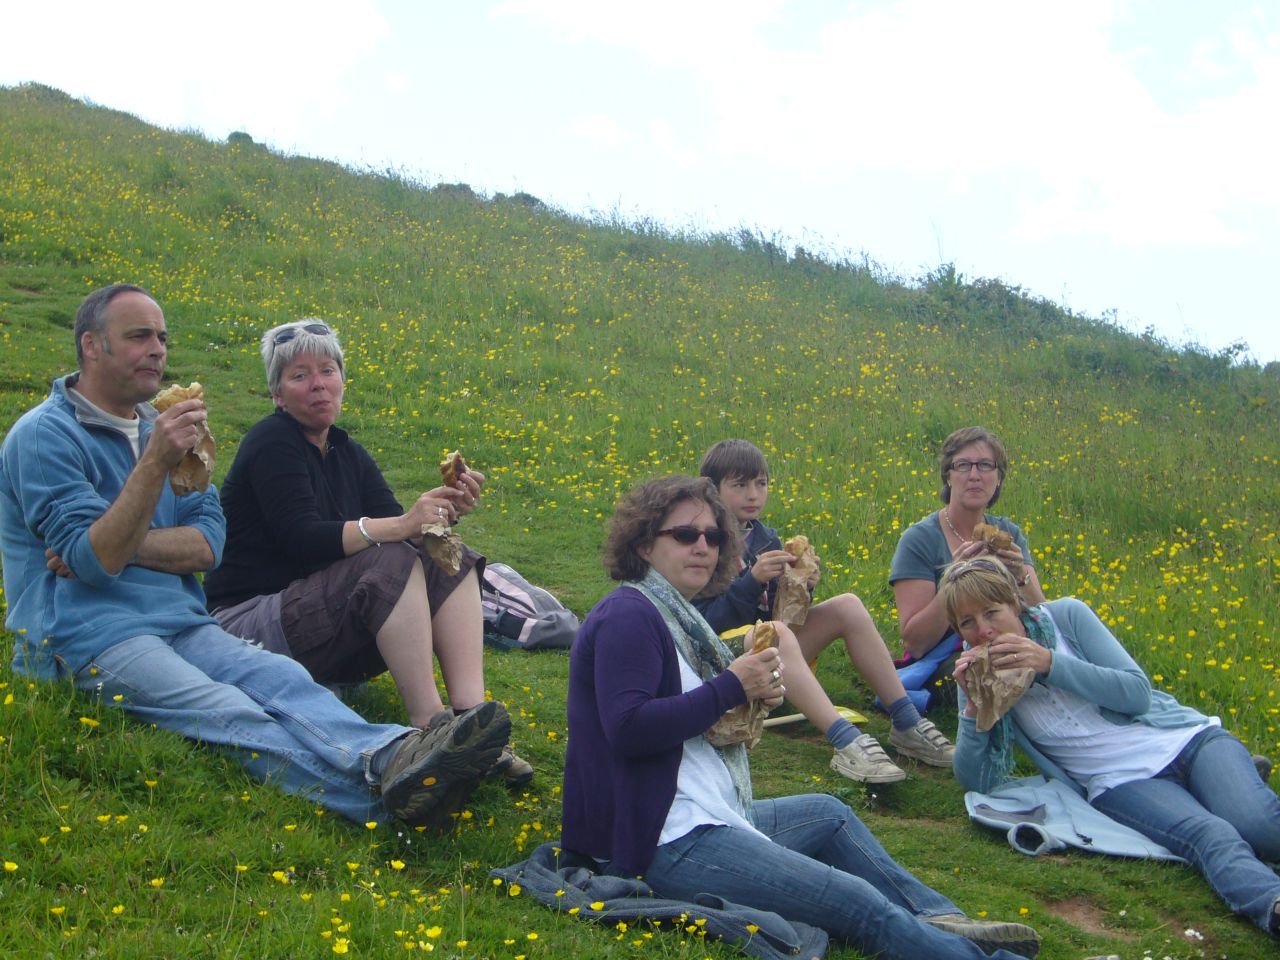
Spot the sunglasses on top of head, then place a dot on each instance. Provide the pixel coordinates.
(284, 336)
(959, 569)
(688, 535)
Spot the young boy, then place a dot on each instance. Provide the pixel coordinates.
(741, 473)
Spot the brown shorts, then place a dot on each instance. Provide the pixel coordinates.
(331, 619)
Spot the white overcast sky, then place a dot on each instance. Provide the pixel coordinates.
(1110, 155)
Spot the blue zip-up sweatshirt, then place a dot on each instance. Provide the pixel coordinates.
(61, 467)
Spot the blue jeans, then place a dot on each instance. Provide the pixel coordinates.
(819, 865)
(283, 727)
(1210, 807)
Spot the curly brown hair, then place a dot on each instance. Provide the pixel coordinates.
(958, 441)
(640, 514)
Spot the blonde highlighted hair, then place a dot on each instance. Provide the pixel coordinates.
(978, 580)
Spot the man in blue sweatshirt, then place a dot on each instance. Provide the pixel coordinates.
(100, 558)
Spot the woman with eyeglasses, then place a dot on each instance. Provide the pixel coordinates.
(645, 792)
(324, 565)
(1093, 721)
(973, 469)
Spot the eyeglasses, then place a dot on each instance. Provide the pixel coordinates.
(284, 336)
(958, 570)
(964, 466)
(688, 535)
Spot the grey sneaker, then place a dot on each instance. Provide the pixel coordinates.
(990, 935)
(923, 742)
(1263, 766)
(864, 760)
(435, 769)
(512, 768)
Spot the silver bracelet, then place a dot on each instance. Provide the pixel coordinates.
(365, 533)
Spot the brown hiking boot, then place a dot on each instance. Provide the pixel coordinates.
(436, 769)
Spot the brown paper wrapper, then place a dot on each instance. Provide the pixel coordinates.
(791, 605)
(443, 546)
(742, 724)
(194, 471)
(994, 692)
(745, 722)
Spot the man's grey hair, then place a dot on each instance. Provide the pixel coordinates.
(277, 356)
(91, 317)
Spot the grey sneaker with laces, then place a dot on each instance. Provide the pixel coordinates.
(923, 742)
(990, 935)
(864, 760)
(435, 769)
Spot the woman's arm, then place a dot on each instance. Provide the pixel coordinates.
(1104, 673)
(634, 654)
(922, 619)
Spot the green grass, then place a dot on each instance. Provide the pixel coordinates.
(569, 359)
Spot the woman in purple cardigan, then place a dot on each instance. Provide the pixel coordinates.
(646, 793)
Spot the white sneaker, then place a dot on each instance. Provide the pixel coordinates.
(923, 742)
(864, 760)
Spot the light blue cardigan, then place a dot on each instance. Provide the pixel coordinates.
(1104, 674)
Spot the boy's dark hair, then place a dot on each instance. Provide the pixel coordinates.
(733, 459)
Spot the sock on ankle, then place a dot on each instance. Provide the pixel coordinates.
(903, 713)
(842, 733)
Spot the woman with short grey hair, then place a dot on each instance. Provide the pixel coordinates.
(324, 565)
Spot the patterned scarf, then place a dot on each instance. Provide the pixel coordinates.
(1040, 629)
(707, 655)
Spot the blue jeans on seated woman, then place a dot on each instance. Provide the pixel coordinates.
(820, 865)
(1210, 807)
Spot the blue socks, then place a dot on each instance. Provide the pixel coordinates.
(903, 714)
(842, 733)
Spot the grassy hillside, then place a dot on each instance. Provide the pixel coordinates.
(568, 359)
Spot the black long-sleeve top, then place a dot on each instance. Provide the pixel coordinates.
(286, 504)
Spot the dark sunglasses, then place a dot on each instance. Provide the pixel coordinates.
(284, 336)
(688, 535)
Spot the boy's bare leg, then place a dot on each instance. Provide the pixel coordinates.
(804, 692)
(846, 616)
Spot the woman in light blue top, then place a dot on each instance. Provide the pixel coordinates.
(1092, 719)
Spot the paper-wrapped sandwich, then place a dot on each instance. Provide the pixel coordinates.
(441, 543)
(994, 692)
(791, 605)
(992, 536)
(193, 472)
(745, 723)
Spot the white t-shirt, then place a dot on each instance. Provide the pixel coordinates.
(704, 789)
(129, 427)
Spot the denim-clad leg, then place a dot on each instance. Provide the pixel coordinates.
(822, 867)
(210, 686)
(1210, 807)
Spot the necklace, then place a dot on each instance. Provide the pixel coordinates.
(946, 515)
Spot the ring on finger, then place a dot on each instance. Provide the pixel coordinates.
(777, 676)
